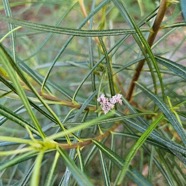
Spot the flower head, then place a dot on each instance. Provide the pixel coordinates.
(116, 99)
(102, 99)
(108, 104)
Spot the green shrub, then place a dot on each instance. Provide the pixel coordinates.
(92, 93)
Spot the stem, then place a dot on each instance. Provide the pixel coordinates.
(150, 40)
(88, 141)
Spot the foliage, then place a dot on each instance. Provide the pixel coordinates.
(65, 66)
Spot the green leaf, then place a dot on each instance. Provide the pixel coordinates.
(136, 147)
(26, 177)
(14, 117)
(101, 5)
(68, 31)
(51, 173)
(36, 171)
(109, 67)
(141, 41)
(156, 136)
(136, 124)
(81, 126)
(80, 177)
(132, 173)
(91, 50)
(16, 160)
(13, 71)
(9, 65)
(9, 85)
(178, 69)
(148, 141)
(39, 79)
(170, 116)
(104, 170)
(140, 125)
(11, 26)
(81, 159)
(84, 105)
(168, 168)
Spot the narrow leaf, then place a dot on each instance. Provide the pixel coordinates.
(39, 79)
(104, 170)
(103, 3)
(68, 31)
(141, 41)
(38, 108)
(163, 107)
(84, 105)
(80, 177)
(26, 177)
(18, 159)
(14, 117)
(81, 126)
(178, 69)
(116, 159)
(108, 66)
(136, 147)
(8, 63)
(165, 141)
(36, 172)
(51, 172)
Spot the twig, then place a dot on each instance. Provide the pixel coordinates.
(155, 28)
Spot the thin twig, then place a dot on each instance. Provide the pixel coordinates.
(89, 141)
(150, 40)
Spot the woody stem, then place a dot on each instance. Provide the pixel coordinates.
(150, 40)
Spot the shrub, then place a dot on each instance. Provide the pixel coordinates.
(92, 93)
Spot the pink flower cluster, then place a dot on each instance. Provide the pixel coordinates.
(108, 103)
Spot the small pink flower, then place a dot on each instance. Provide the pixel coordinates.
(116, 99)
(106, 107)
(102, 99)
(108, 104)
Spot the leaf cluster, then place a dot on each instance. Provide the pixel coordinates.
(57, 58)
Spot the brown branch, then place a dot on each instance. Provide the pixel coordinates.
(65, 102)
(88, 141)
(150, 40)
